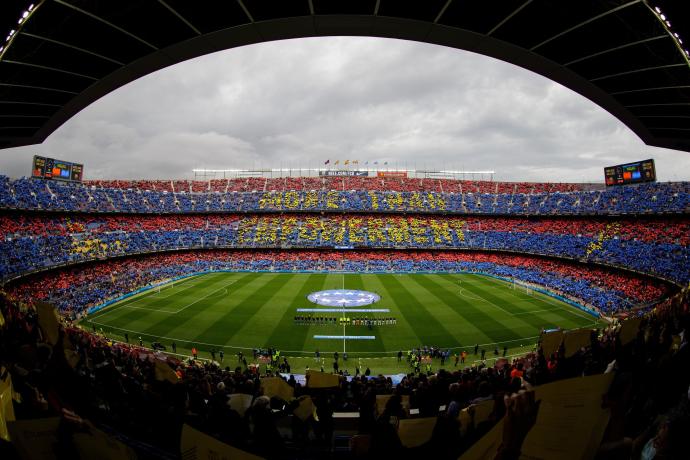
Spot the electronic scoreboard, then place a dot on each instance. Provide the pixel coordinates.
(630, 173)
(50, 168)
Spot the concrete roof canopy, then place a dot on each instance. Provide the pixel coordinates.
(627, 56)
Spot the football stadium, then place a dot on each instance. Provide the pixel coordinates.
(361, 308)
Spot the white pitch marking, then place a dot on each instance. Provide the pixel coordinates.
(535, 311)
(202, 298)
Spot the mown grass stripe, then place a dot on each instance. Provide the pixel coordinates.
(491, 328)
(223, 329)
(567, 313)
(118, 315)
(356, 282)
(268, 316)
(429, 330)
(151, 293)
(403, 336)
(542, 300)
(487, 292)
(465, 322)
(298, 334)
(190, 319)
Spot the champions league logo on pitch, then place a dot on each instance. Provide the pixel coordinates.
(343, 298)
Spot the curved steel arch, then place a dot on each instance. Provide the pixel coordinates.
(49, 73)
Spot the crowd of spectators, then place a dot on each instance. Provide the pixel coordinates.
(147, 397)
(366, 194)
(306, 183)
(74, 289)
(656, 245)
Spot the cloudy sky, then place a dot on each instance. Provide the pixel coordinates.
(297, 103)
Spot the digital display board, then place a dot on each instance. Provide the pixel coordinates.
(630, 173)
(400, 174)
(50, 168)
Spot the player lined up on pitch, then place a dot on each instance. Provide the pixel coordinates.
(345, 321)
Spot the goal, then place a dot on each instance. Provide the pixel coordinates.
(516, 286)
(163, 287)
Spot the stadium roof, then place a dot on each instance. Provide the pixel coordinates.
(627, 56)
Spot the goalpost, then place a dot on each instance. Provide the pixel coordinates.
(161, 287)
(516, 286)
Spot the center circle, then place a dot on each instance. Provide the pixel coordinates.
(343, 298)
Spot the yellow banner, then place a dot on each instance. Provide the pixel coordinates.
(305, 408)
(48, 321)
(570, 423)
(482, 411)
(576, 339)
(487, 447)
(96, 444)
(321, 380)
(416, 431)
(195, 445)
(275, 386)
(6, 407)
(240, 402)
(164, 372)
(550, 342)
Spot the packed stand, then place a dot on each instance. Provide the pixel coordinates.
(371, 194)
(656, 245)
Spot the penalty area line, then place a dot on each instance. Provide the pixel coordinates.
(535, 311)
(225, 287)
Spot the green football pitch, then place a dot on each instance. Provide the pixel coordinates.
(241, 311)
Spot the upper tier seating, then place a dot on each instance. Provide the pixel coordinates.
(371, 194)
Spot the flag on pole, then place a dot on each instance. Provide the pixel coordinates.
(337, 161)
(355, 162)
(366, 162)
(385, 162)
(376, 162)
(327, 161)
(347, 162)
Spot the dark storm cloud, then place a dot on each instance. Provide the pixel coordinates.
(297, 103)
